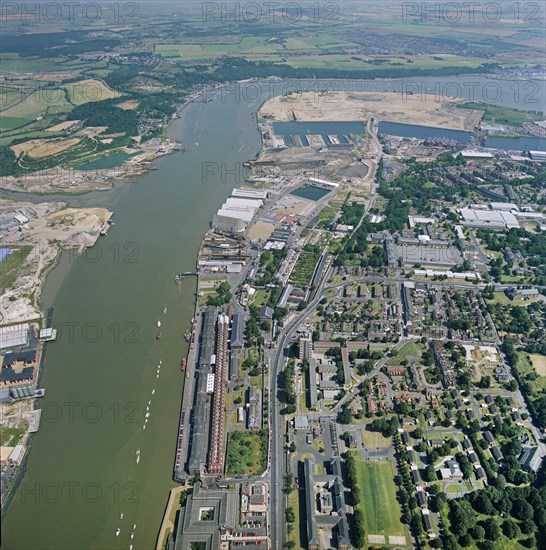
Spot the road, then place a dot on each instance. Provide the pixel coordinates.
(277, 442)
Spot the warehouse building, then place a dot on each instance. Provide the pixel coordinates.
(488, 219)
(250, 193)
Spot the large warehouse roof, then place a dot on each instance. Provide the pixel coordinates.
(491, 218)
(242, 215)
(243, 204)
(250, 193)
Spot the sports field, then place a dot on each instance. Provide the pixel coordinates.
(378, 498)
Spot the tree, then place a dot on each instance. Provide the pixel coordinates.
(345, 417)
(522, 510)
(360, 535)
(418, 433)
(510, 529)
(477, 532)
(430, 473)
(290, 515)
(491, 528)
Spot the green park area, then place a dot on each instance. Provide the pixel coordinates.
(246, 453)
(411, 349)
(378, 498)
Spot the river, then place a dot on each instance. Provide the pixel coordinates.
(103, 370)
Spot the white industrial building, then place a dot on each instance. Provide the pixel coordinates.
(250, 193)
(537, 155)
(14, 335)
(236, 203)
(414, 220)
(323, 183)
(508, 206)
(488, 219)
(237, 212)
(470, 154)
(450, 274)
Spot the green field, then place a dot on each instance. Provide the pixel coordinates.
(246, 453)
(525, 367)
(378, 498)
(11, 436)
(409, 349)
(497, 114)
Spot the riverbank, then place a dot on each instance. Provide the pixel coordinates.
(35, 236)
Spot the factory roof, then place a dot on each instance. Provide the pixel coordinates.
(14, 335)
(467, 153)
(503, 206)
(493, 218)
(238, 203)
(250, 193)
(243, 215)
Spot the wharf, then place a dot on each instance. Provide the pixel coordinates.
(186, 405)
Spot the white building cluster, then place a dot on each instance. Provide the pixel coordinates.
(238, 211)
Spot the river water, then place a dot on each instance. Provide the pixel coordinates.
(103, 371)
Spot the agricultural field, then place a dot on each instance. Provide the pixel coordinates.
(378, 498)
(86, 91)
(41, 148)
(246, 453)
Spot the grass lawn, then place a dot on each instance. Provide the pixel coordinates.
(260, 298)
(411, 348)
(11, 436)
(378, 498)
(524, 366)
(373, 440)
(246, 453)
(501, 298)
(294, 532)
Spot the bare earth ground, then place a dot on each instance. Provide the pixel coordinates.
(260, 230)
(41, 148)
(419, 109)
(128, 105)
(53, 228)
